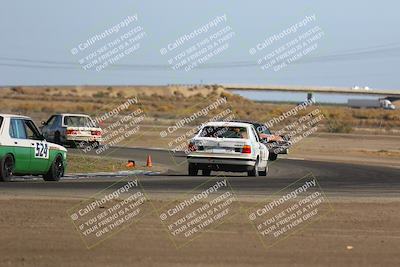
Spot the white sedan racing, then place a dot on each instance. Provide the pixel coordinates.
(227, 146)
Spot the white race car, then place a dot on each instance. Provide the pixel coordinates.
(227, 146)
(72, 130)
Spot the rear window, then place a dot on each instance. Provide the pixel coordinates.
(78, 121)
(262, 129)
(1, 121)
(224, 132)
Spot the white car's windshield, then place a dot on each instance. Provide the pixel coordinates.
(224, 132)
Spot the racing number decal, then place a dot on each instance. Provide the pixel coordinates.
(42, 150)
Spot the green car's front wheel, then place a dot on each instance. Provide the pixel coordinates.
(6, 168)
(56, 170)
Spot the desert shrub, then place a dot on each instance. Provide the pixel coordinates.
(215, 87)
(47, 109)
(178, 94)
(18, 90)
(165, 108)
(80, 108)
(101, 94)
(391, 116)
(338, 126)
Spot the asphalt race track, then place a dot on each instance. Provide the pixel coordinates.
(336, 179)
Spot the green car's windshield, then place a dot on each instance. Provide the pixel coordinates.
(32, 131)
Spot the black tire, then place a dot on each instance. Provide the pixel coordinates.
(57, 138)
(272, 156)
(73, 144)
(95, 144)
(192, 169)
(264, 172)
(6, 168)
(206, 172)
(254, 171)
(56, 170)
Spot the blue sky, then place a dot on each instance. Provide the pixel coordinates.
(361, 43)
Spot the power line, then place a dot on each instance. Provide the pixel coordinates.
(352, 54)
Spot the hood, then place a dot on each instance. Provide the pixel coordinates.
(57, 147)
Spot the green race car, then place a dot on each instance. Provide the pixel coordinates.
(24, 151)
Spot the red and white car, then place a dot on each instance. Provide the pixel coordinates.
(276, 144)
(227, 146)
(72, 130)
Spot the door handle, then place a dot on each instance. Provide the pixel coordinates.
(16, 143)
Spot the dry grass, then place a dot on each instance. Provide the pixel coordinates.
(171, 102)
(79, 164)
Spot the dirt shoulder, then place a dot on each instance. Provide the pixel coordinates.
(37, 232)
(377, 150)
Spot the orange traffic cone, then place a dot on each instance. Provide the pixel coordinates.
(130, 164)
(149, 162)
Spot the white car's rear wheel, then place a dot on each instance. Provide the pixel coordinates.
(57, 138)
(192, 169)
(264, 172)
(254, 171)
(272, 156)
(95, 144)
(206, 172)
